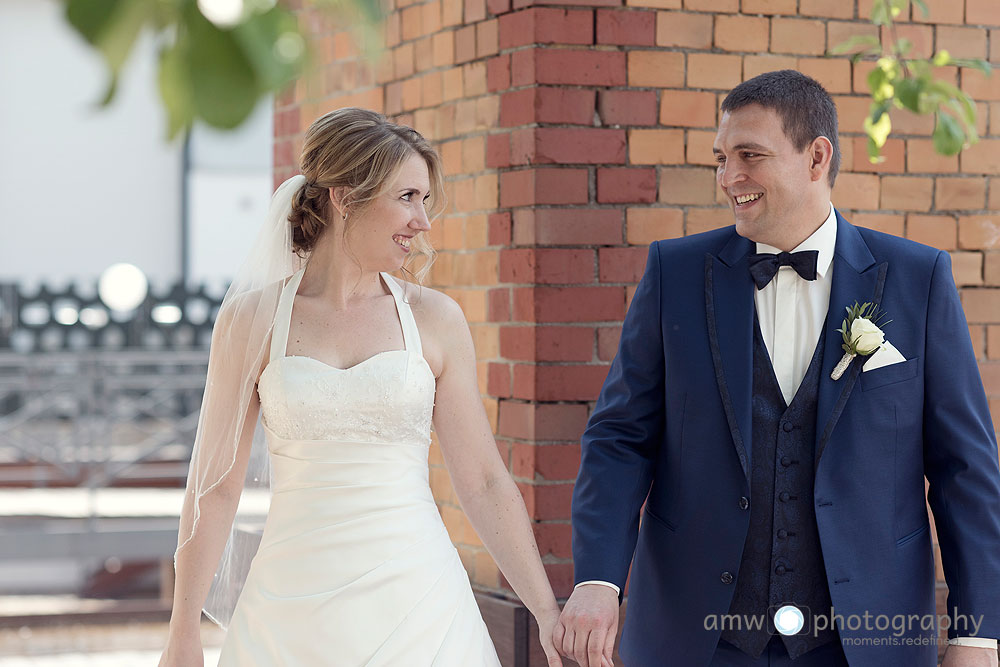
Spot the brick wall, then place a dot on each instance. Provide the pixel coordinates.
(575, 132)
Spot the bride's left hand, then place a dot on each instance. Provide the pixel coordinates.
(546, 623)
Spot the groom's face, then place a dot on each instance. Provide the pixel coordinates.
(764, 177)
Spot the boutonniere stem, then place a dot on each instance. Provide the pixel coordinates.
(862, 334)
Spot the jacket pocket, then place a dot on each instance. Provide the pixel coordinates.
(890, 374)
(666, 524)
(912, 536)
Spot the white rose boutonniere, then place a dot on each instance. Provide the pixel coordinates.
(862, 334)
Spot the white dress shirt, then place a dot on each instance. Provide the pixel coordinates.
(791, 312)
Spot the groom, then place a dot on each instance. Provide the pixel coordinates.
(768, 484)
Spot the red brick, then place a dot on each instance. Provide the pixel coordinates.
(882, 222)
(546, 502)
(569, 304)
(687, 108)
(838, 32)
(546, 25)
(621, 265)
(983, 157)
(713, 70)
(685, 185)
(547, 105)
(654, 4)
(656, 146)
(922, 158)
(979, 232)
(465, 44)
(834, 74)
(941, 11)
(497, 6)
(937, 231)
(699, 148)
(957, 194)
(626, 27)
(894, 154)
(729, 6)
(982, 12)
(554, 226)
(627, 107)
(741, 33)
(542, 422)
(833, 9)
(645, 225)
(800, 36)
(769, 7)
(656, 69)
(607, 342)
(981, 305)
(498, 225)
(554, 463)
(560, 145)
(498, 73)
(617, 185)
(498, 380)
(543, 186)
(547, 265)
(498, 305)
(567, 383)
(856, 192)
(967, 268)
(498, 150)
(755, 65)
(692, 31)
(568, 66)
(706, 219)
(961, 42)
(519, 4)
(907, 193)
(547, 343)
(475, 10)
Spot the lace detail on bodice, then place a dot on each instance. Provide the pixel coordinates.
(387, 398)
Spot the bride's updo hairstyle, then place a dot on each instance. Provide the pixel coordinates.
(362, 150)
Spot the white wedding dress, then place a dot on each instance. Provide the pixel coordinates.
(355, 566)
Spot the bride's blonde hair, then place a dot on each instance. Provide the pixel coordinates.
(362, 150)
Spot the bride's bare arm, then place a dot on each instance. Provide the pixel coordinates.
(484, 487)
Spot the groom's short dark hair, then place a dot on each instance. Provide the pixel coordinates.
(806, 110)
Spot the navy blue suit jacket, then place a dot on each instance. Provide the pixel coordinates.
(672, 427)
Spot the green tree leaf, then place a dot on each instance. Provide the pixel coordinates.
(224, 86)
(948, 135)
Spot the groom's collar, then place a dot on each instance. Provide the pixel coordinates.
(848, 245)
(824, 240)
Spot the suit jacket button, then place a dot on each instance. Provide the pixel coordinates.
(780, 569)
(727, 577)
(784, 496)
(744, 502)
(787, 426)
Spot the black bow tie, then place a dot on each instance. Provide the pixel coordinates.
(764, 265)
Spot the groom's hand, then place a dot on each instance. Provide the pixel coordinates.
(967, 656)
(587, 626)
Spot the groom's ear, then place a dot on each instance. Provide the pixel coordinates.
(820, 155)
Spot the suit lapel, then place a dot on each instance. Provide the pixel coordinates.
(729, 308)
(856, 277)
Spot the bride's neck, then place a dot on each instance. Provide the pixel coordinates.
(335, 276)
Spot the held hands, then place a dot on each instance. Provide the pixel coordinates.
(969, 656)
(546, 624)
(588, 625)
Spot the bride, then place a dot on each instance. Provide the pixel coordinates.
(348, 368)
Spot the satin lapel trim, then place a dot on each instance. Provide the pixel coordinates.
(729, 307)
(856, 277)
